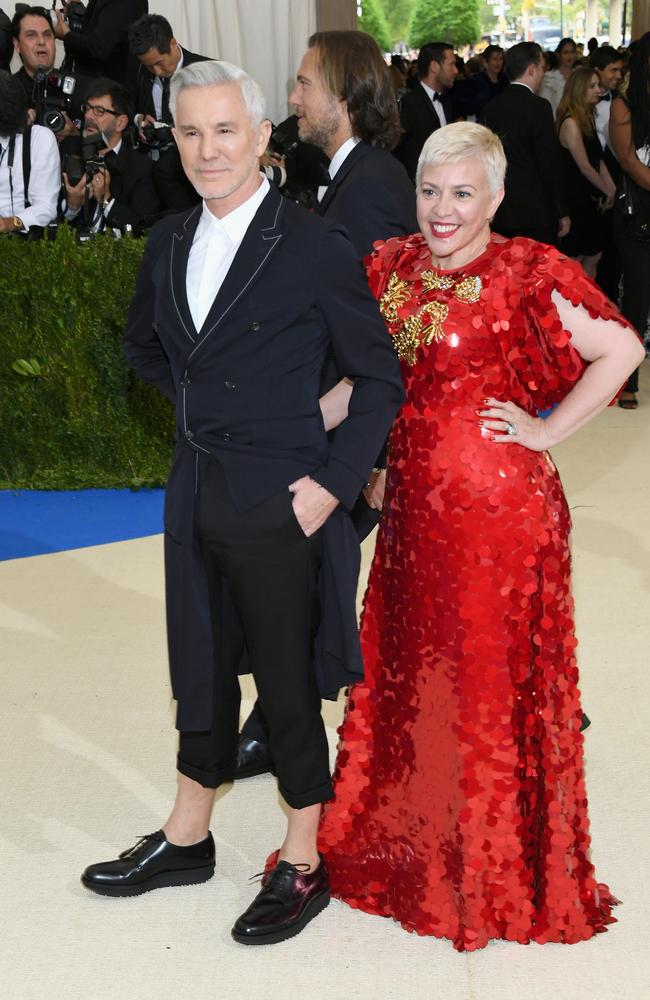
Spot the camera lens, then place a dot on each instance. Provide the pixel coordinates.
(54, 120)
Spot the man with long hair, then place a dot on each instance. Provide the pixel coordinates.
(346, 106)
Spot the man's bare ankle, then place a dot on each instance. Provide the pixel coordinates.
(183, 837)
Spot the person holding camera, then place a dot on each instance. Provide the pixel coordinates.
(29, 164)
(159, 55)
(116, 189)
(33, 40)
(96, 38)
(153, 44)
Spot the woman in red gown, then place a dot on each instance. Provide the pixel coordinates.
(460, 805)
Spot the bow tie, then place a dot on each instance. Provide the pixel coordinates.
(436, 97)
(605, 97)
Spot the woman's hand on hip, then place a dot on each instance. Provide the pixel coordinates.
(507, 423)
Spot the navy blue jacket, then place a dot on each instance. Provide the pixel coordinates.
(246, 389)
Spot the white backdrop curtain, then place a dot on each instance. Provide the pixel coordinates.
(265, 37)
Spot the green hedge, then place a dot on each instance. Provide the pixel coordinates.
(73, 414)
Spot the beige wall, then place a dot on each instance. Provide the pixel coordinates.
(640, 17)
(332, 15)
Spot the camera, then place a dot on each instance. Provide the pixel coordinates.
(281, 143)
(54, 96)
(87, 162)
(158, 135)
(75, 14)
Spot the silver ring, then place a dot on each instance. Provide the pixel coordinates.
(511, 429)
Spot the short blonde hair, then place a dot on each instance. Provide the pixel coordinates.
(462, 141)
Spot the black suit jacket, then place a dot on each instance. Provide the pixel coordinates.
(246, 389)
(534, 188)
(144, 82)
(372, 196)
(419, 120)
(102, 48)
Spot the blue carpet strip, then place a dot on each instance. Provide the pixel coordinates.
(33, 522)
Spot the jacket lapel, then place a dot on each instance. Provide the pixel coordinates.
(428, 105)
(260, 240)
(180, 251)
(356, 154)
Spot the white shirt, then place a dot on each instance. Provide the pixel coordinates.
(552, 88)
(337, 161)
(520, 83)
(603, 109)
(157, 88)
(216, 242)
(437, 105)
(44, 180)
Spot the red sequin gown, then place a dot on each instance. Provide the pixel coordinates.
(460, 806)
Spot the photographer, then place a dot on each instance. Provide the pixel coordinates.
(152, 41)
(159, 55)
(96, 39)
(29, 164)
(54, 99)
(116, 190)
(33, 40)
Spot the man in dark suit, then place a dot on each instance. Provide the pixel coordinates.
(235, 307)
(426, 107)
(159, 55)
(345, 106)
(122, 194)
(533, 204)
(101, 47)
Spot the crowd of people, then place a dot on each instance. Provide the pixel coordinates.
(310, 396)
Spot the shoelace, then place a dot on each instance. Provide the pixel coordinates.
(301, 867)
(144, 837)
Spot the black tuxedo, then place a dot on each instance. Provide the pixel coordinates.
(534, 188)
(102, 48)
(144, 83)
(419, 119)
(246, 389)
(136, 202)
(372, 197)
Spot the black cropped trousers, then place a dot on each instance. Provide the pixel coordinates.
(262, 575)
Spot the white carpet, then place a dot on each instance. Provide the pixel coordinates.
(87, 762)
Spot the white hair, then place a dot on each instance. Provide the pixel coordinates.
(211, 73)
(462, 141)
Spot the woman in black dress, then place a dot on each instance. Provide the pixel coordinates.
(590, 188)
(629, 131)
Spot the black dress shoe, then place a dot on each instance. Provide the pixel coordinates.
(152, 864)
(286, 903)
(253, 758)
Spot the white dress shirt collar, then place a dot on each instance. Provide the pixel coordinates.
(520, 83)
(213, 250)
(341, 155)
(235, 224)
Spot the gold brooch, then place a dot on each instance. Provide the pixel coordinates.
(426, 325)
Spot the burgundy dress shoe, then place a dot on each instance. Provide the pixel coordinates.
(253, 758)
(152, 863)
(288, 900)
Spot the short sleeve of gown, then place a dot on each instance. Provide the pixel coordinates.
(554, 366)
(382, 261)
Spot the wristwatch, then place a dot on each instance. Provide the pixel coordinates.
(17, 223)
